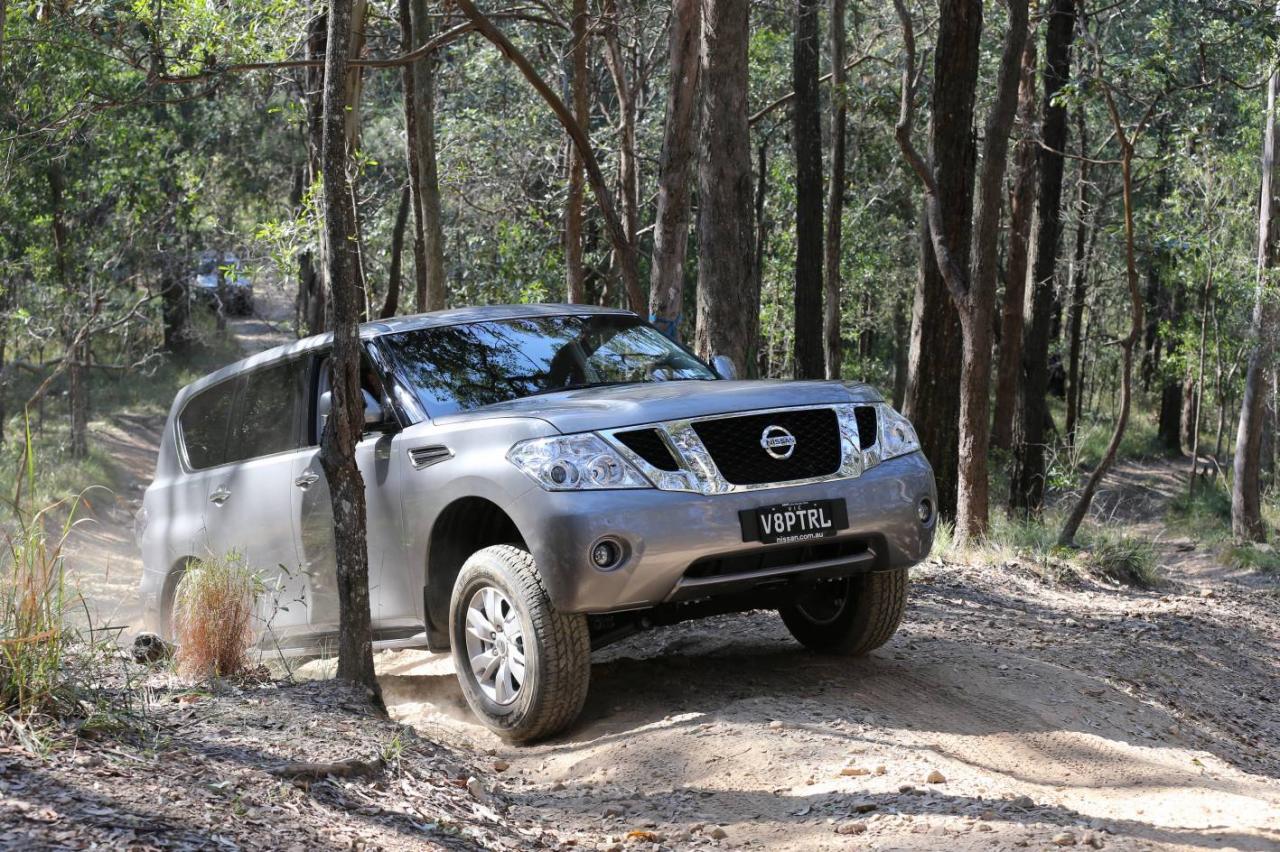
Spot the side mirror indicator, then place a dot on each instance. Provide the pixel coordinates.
(724, 368)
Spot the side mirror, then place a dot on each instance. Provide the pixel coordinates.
(724, 367)
(374, 416)
(324, 405)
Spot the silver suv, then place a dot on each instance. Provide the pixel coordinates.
(544, 480)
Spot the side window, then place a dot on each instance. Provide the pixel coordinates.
(266, 419)
(204, 425)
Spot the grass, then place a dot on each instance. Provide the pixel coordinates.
(1246, 556)
(1124, 559)
(213, 615)
(1206, 515)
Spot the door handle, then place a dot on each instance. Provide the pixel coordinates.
(307, 480)
(220, 496)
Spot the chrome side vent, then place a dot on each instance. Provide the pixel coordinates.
(427, 456)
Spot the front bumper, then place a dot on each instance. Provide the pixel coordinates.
(665, 532)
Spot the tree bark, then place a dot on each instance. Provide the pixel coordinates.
(835, 193)
(628, 157)
(972, 291)
(728, 304)
(77, 347)
(1021, 202)
(431, 286)
(935, 374)
(345, 423)
(1246, 491)
(311, 307)
(575, 286)
(391, 305)
(624, 249)
(1078, 280)
(806, 137)
(1027, 477)
(675, 172)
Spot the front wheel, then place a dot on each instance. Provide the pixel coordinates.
(524, 668)
(853, 616)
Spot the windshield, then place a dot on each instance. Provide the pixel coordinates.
(461, 367)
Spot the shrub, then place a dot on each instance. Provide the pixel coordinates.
(1245, 556)
(213, 612)
(1123, 559)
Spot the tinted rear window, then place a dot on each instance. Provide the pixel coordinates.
(267, 417)
(204, 425)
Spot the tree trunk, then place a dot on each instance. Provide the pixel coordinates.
(972, 291)
(1026, 481)
(433, 288)
(728, 312)
(420, 272)
(764, 354)
(835, 193)
(1198, 389)
(806, 137)
(675, 172)
(311, 307)
(391, 305)
(1078, 280)
(351, 130)
(76, 345)
(933, 386)
(1246, 491)
(628, 158)
(578, 51)
(1021, 201)
(345, 423)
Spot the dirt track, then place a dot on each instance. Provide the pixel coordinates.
(1057, 716)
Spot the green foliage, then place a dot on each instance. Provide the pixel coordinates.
(1246, 556)
(1125, 559)
(1206, 515)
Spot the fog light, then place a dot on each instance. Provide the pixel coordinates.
(606, 554)
(925, 511)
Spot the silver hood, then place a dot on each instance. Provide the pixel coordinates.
(610, 407)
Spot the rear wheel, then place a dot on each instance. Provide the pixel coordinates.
(524, 668)
(853, 616)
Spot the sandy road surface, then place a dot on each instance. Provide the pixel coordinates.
(1084, 715)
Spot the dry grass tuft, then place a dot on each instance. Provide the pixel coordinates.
(213, 614)
(33, 598)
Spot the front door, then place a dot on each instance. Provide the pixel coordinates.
(378, 457)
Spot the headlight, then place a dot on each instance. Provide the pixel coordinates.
(575, 463)
(897, 435)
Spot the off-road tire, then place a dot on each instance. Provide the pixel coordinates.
(557, 648)
(872, 610)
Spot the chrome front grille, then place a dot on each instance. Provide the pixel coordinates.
(732, 452)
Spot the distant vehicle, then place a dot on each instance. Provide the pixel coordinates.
(221, 282)
(543, 480)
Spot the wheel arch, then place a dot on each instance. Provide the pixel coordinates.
(464, 526)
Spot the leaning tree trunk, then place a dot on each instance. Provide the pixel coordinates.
(1021, 202)
(345, 423)
(575, 288)
(728, 313)
(806, 137)
(623, 248)
(675, 172)
(1027, 478)
(1127, 344)
(835, 194)
(1246, 491)
(628, 157)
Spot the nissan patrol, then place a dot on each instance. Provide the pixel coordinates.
(543, 480)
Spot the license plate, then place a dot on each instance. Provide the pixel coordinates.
(789, 522)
